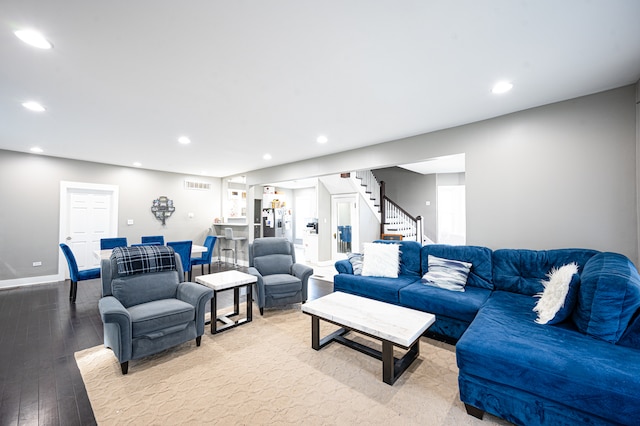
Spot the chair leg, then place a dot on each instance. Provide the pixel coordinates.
(74, 291)
(261, 311)
(198, 340)
(124, 366)
(70, 289)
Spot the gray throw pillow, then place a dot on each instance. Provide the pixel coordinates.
(356, 260)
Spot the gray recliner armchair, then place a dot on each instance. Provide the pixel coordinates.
(146, 305)
(281, 281)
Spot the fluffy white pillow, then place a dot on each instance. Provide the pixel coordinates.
(559, 295)
(447, 273)
(381, 260)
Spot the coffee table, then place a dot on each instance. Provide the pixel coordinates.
(229, 280)
(391, 324)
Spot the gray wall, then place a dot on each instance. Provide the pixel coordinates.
(560, 175)
(29, 218)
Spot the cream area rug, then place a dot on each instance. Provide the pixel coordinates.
(265, 372)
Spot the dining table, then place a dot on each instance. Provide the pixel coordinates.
(196, 250)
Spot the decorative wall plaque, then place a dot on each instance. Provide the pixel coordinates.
(162, 208)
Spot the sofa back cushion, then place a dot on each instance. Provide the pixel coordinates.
(479, 257)
(133, 290)
(608, 297)
(522, 271)
(409, 256)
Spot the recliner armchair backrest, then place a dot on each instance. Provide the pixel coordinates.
(140, 288)
(272, 255)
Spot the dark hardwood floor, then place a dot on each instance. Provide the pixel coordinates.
(40, 329)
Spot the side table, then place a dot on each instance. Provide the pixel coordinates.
(229, 280)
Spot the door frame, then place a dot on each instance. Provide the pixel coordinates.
(354, 199)
(67, 187)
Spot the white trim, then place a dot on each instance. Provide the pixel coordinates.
(19, 282)
(65, 187)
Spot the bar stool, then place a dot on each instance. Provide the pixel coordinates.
(228, 235)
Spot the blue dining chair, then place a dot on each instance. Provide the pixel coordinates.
(183, 248)
(111, 243)
(153, 239)
(205, 258)
(74, 274)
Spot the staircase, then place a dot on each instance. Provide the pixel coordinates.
(393, 218)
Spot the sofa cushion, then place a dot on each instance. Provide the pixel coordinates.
(608, 298)
(160, 317)
(409, 256)
(438, 301)
(505, 348)
(381, 260)
(522, 271)
(480, 258)
(379, 288)
(448, 274)
(356, 260)
(141, 288)
(556, 302)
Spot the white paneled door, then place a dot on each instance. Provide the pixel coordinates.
(88, 213)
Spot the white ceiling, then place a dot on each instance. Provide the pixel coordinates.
(243, 78)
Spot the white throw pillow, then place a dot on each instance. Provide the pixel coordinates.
(448, 274)
(553, 300)
(381, 260)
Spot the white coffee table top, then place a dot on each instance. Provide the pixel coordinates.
(397, 324)
(226, 279)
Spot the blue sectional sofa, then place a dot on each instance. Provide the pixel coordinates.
(583, 370)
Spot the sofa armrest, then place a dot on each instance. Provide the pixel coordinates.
(303, 272)
(344, 267)
(117, 327)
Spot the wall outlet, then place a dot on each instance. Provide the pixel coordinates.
(129, 222)
(37, 263)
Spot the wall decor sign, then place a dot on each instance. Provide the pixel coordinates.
(162, 208)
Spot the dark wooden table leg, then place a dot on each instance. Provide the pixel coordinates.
(249, 302)
(315, 332)
(388, 363)
(214, 312)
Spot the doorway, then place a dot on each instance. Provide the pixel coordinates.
(344, 225)
(452, 221)
(88, 212)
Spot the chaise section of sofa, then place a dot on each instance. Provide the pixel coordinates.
(454, 310)
(530, 373)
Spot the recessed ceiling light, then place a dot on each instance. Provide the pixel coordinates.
(137, 164)
(267, 156)
(184, 140)
(33, 38)
(33, 106)
(322, 139)
(36, 150)
(502, 87)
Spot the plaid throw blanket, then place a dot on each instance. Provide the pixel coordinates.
(144, 259)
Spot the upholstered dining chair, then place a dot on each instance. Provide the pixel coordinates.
(205, 258)
(110, 243)
(281, 281)
(146, 307)
(183, 248)
(152, 239)
(74, 274)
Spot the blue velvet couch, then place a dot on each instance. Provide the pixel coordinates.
(584, 370)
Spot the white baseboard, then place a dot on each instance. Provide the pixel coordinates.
(20, 282)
